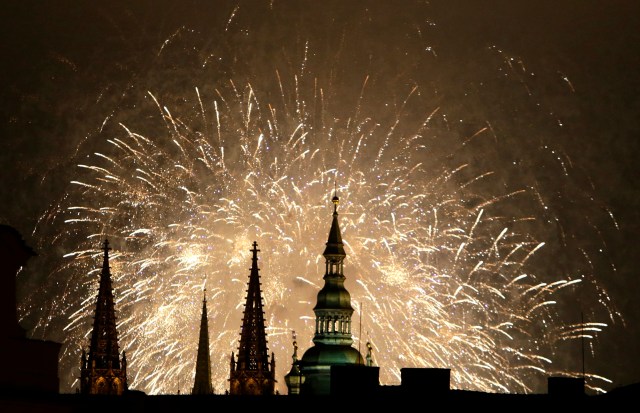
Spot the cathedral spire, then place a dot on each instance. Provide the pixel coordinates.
(252, 373)
(102, 371)
(202, 380)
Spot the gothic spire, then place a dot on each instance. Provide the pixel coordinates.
(202, 381)
(252, 373)
(102, 371)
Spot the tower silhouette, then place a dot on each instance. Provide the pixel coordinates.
(332, 339)
(102, 371)
(252, 373)
(202, 380)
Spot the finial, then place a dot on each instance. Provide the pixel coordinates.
(255, 250)
(295, 347)
(106, 248)
(369, 355)
(205, 295)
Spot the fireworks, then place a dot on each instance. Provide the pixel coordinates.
(441, 245)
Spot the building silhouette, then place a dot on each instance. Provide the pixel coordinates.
(332, 339)
(28, 366)
(202, 380)
(252, 373)
(102, 370)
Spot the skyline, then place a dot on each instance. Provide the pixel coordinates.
(514, 101)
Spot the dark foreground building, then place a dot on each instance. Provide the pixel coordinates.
(415, 395)
(29, 366)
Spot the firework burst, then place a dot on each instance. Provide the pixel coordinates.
(442, 248)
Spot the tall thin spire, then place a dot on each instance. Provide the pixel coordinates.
(252, 373)
(102, 371)
(202, 380)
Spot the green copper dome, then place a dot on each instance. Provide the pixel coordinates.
(333, 296)
(331, 355)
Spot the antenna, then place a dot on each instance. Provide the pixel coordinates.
(582, 341)
(360, 331)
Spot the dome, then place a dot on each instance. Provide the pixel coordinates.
(329, 355)
(334, 297)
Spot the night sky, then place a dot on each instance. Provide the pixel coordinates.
(69, 65)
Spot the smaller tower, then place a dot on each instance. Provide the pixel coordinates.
(294, 378)
(252, 374)
(102, 371)
(202, 381)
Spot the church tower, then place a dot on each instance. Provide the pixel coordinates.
(252, 373)
(332, 339)
(103, 372)
(202, 381)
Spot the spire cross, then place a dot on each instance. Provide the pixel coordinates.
(106, 248)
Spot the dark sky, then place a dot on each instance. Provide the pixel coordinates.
(66, 65)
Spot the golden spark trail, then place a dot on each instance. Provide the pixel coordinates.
(442, 247)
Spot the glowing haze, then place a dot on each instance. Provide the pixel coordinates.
(458, 253)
